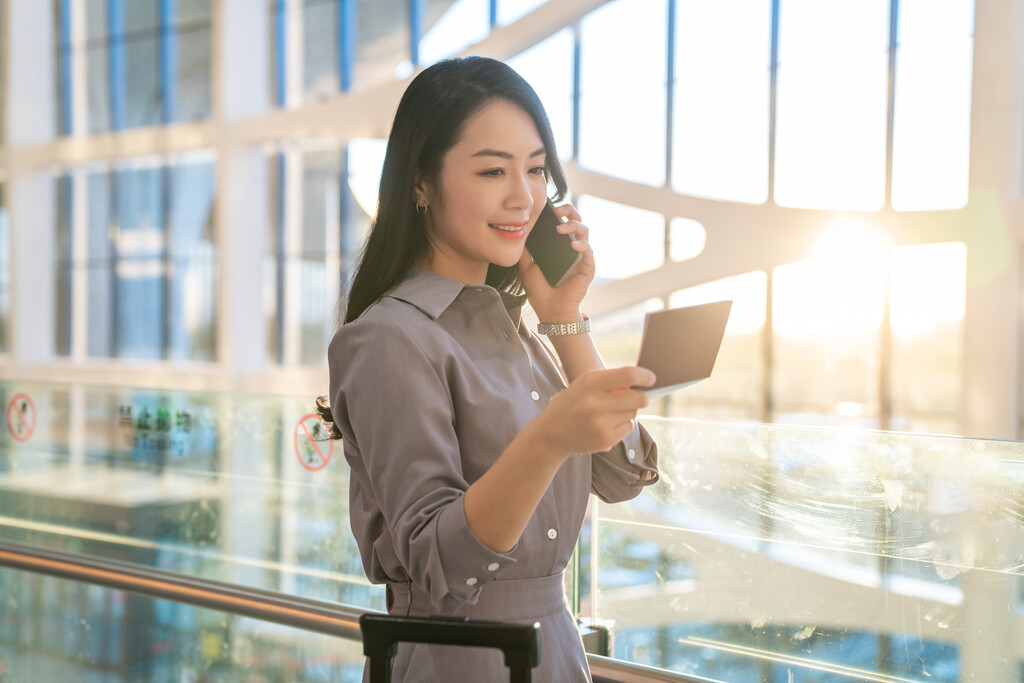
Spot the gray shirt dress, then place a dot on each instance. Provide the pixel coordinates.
(428, 387)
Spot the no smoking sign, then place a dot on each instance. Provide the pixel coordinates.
(21, 417)
(309, 443)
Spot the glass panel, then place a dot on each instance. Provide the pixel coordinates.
(273, 260)
(365, 161)
(217, 486)
(720, 108)
(766, 554)
(735, 389)
(60, 630)
(320, 48)
(102, 230)
(193, 304)
(931, 136)
(687, 239)
(143, 100)
(193, 11)
(832, 102)
(141, 15)
(618, 334)
(192, 77)
(382, 48)
(141, 276)
(548, 67)
(96, 23)
(452, 26)
(5, 272)
(827, 317)
(626, 240)
(98, 74)
(624, 88)
(512, 10)
(62, 267)
(321, 215)
(926, 308)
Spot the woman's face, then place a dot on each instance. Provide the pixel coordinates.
(485, 200)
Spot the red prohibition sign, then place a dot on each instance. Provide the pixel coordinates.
(308, 444)
(21, 417)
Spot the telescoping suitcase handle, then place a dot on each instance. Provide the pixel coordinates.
(381, 634)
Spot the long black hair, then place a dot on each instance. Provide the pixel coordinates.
(428, 122)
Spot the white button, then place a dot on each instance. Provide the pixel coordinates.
(534, 395)
(631, 455)
(552, 534)
(493, 567)
(471, 581)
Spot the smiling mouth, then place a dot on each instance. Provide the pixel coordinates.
(509, 227)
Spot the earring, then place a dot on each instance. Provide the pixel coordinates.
(421, 207)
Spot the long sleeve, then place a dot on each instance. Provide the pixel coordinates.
(395, 411)
(624, 471)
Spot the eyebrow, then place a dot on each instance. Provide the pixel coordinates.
(487, 152)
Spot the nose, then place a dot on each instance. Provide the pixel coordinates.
(520, 193)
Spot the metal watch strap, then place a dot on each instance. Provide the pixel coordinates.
(559, 329)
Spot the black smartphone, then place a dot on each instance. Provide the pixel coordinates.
(551, 250)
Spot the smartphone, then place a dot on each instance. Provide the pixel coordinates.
(551, 250)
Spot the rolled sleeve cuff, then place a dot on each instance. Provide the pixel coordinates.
(622, 472)
(467, 563)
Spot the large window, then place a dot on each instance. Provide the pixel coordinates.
(141, 64)
(832, 90)
(5, 272)
(931, 136)
(623, 70)
(137, 239)
(322, 201)
(720, 114)
(547, 67)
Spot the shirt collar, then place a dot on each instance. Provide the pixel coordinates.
(433, 294)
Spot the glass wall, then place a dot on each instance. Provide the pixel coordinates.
(148, 260)
(5, 272)
(322, 198)
(764, 553)
(146, 64)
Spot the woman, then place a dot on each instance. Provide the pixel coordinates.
(471, 460)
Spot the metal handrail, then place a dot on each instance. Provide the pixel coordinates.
(310, 615)
(328, 618)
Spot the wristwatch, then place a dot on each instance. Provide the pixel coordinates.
(559, 329)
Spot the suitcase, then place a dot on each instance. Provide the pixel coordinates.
(520, 643)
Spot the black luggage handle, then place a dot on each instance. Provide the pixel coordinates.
(520, 643)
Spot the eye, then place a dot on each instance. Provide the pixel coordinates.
(539, 170)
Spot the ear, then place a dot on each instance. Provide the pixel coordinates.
(423, 190)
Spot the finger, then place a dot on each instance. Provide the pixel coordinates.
(619, 432)
(582, 246)
(568, 211)
(622, 378)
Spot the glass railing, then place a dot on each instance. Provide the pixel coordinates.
(765, 553)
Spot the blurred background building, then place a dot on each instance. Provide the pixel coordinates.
(185, 186)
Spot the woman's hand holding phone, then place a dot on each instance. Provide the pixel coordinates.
(561, 303)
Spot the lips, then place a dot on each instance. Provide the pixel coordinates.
(509, 227)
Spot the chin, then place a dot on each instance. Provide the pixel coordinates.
(506, 262)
